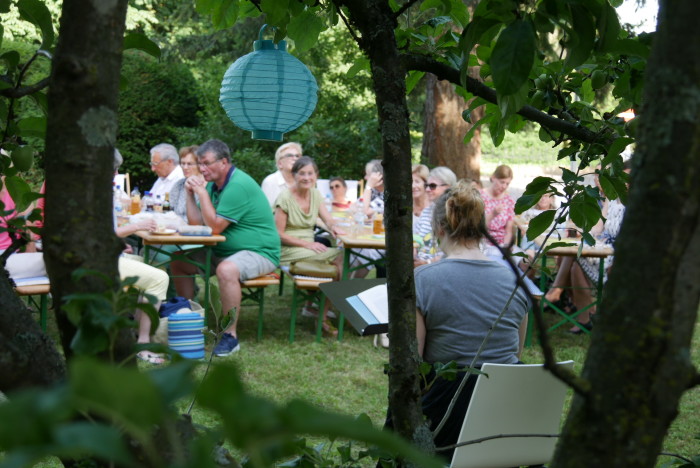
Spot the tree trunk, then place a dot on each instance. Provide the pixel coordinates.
(376, 23)
(444, 129)
(639, 361)
(28, 357)
(80, 138)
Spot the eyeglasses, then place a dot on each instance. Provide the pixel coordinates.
(155, 164)
(434, 186)
(333, 187)
(291, 155)
(207, 164)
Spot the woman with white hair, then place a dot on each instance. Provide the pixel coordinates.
(440, 179)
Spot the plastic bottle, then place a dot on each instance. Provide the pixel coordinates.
(147, 202)
(359, 215)
(158, 204)
(117, 200)
(135, 201)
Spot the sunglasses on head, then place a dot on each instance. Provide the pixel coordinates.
(434, 186)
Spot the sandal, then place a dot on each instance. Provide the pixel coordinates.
(149, 357)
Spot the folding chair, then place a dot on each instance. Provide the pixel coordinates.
(511, 399)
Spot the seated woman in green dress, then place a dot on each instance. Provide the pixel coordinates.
(296, 212)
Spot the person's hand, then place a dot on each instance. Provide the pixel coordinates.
(418, 262)
(375, 179)
(496, 211)
(149, 225)
(336, 231)
(128, 249)
(195, 184)
(317, 247)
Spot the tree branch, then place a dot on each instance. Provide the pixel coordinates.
(563, 123)
(487, 438)
(16, 93)
(405, 7)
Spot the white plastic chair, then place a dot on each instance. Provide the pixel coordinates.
(513, 399)
(122, 180)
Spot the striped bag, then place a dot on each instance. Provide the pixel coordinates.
(185, 333)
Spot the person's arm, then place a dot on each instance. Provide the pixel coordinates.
(281, 224)
(420, 332)
(206, 207)
(509, 233)
(329, 222)
(144, 225)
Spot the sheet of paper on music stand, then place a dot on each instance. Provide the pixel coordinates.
(377, 301)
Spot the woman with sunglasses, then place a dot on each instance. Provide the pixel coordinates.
(440, 179)
(339, 190)
(419, 177)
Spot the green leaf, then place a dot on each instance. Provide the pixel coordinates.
(511, 104)
(141, 42)
(412, 80)
(91, 439)
(459, 13)
(362, 64)
(11, 59)
(19, 190)
(33, 126)
(276, 11)
(35, 12)
(617, 147)
(473, 32)
(582, 37)
(223, 12)
(584, 211)
(513, 57)
(539, 184)
(304, 30)
(134, 402)
(23, 157)
(630, 47)
(540, 223)
(607, 186)
(608, 28)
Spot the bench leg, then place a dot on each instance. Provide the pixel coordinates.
(293, 318)
(319, 321)
(261, 306)
(43, 307)
(341, 326)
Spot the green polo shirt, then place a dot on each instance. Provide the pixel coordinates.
(242, 202)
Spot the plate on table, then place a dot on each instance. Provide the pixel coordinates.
(165, 232)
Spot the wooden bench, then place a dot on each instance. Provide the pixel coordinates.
(254, 290)
(42, 305)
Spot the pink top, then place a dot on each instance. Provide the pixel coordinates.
(8, 205)
(506, 205)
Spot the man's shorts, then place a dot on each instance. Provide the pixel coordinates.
(250, 264)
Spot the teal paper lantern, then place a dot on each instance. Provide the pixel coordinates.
(268, 92)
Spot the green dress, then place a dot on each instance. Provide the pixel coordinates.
(301, 225)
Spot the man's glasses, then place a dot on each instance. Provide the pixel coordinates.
(207, 164)
(155, 164)
(333, 187)
(434, 186)
(291, 155)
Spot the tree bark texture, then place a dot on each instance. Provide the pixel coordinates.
(444, 130)
(639, 364)
(28, 357)
(80, 138)
(375, 21)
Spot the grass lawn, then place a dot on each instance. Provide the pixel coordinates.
(348, 377)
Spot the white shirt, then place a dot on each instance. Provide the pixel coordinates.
(164, 184)
(272, 186)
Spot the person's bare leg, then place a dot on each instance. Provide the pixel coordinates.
(182, 278)
(562, 280)
(581, 295)
(145, 336)
(229, 277)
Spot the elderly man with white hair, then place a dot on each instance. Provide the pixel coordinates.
(165, 162)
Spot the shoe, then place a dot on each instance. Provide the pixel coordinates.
(577, 331)
(149, 357)
(384, 340)
(227, 345)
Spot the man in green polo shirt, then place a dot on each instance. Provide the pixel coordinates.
(233, 205)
